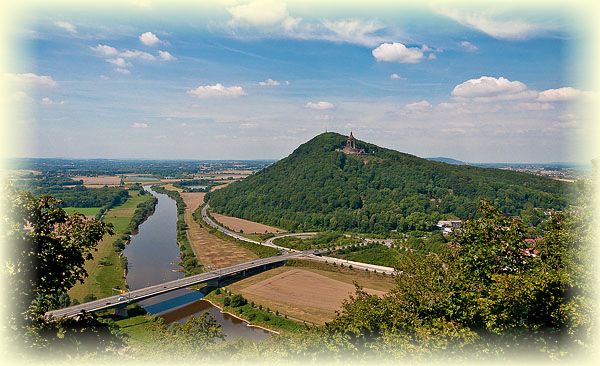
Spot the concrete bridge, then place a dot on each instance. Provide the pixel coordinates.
(120, 301)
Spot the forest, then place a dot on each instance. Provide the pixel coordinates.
(319, 188)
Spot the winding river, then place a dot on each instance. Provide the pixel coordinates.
(152, 257)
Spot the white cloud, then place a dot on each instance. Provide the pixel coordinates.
(395, 76)
(217, 90)
(166, 56)
(150, 39)
(397, 52)
(468, 46)
(262, 13)
(270, 82)
(20, 97)
(137, 54)
(354, 31)
(488, 88)
(532, 106)
(319, 105)
(119, 61)
(431, 56)
(66, 26)
(562, 94)
(122, 71)
(421, 106)
(48, 101)
(511, 29)
(105, 50)
(139, 125)
(31, 79)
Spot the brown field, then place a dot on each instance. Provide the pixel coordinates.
(305, 293)
(99, 181)
(221, 185)
(211, 251)
(248, 227)
(192, 200)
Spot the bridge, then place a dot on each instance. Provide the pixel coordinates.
(119, 301)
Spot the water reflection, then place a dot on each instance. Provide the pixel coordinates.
(152, 257)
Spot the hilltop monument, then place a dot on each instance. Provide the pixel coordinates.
(350, 147)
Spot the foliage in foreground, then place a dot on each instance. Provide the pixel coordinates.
(46, 253)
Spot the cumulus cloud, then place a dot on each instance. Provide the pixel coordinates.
(139, 125)
(533, 106)
(217, 90)
(31, 79)
(395, 76)
(166, 56)
(509, 29)
(149, 39)
(261, 13)
(20, 97)
(123, 71)
(137, 54)
(119, 61)
(269, 82)
(488, 88)
(418, 106)
(397, 52)
(319, 105)
(69, 27)
(105, 50)
(562, 94)
(468, 46)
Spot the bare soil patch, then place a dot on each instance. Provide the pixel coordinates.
(192, 200)
(221, 185)
(211, 251)
(245, 226)
(303, 293)
(99, 181)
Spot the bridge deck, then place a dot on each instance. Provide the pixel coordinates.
(150, 291)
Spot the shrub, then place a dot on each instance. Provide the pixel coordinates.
(226, 301)
(238, 300)
(218, 291)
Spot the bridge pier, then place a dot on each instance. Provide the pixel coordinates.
(121, 310)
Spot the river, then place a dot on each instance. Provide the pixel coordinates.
(152, 256)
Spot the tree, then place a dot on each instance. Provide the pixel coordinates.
(46, 256)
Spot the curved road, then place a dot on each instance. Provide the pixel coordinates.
(309, 254)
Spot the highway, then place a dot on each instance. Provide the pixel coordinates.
(150, 291)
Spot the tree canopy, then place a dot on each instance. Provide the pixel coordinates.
(319, 188)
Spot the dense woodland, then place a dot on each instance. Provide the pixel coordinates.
(319, 188)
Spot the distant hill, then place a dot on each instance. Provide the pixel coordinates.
(442, 159)
(319, 188)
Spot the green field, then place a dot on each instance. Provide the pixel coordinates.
(87, 211)
(108, 274)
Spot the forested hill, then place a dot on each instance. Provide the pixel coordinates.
(319, 188)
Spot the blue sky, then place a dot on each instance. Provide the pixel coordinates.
(254, 79)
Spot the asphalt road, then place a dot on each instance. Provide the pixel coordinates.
(150, 291)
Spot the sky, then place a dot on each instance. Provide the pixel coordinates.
(254, 79)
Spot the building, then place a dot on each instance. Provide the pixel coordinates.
(448, 225)
(350, 147)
